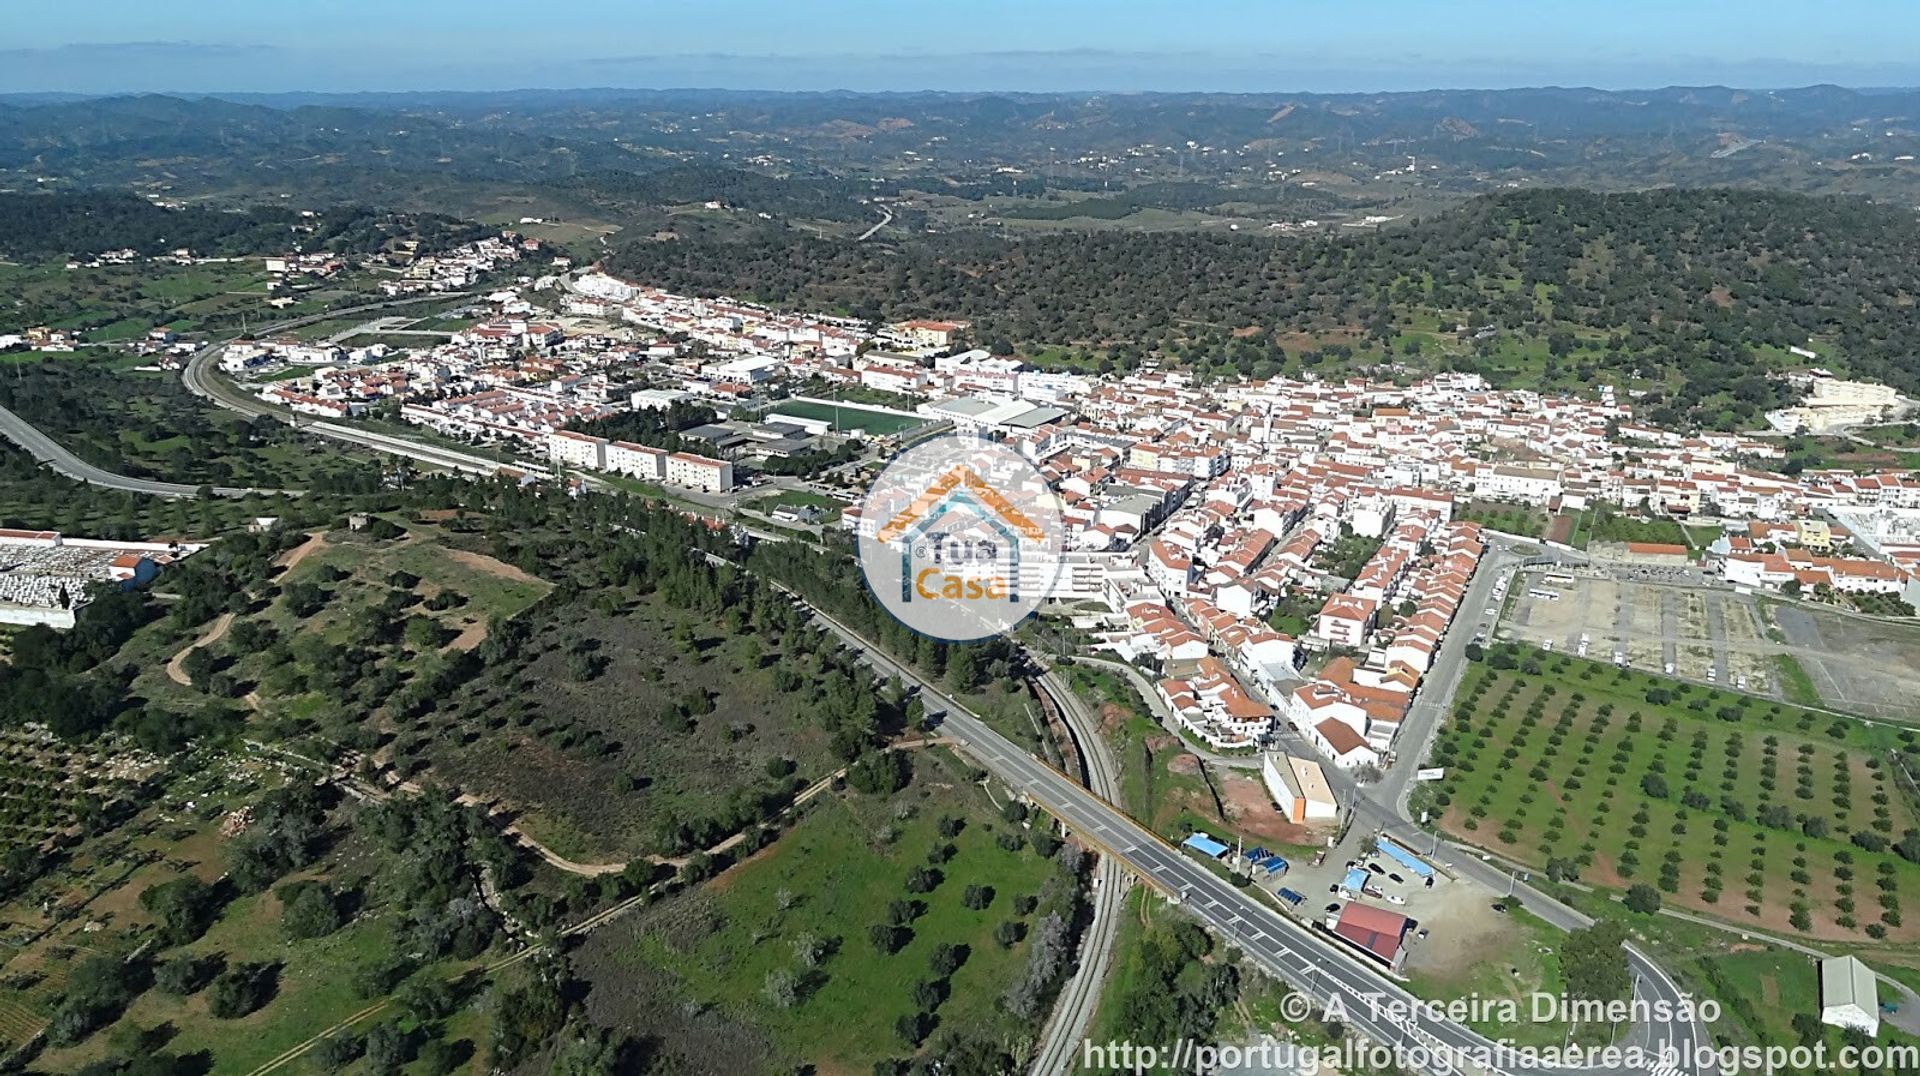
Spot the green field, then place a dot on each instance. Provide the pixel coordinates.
(799, 498)
(848, 416)
(1758, 813)
(821, 886)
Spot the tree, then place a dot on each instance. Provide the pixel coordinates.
(308, 909)
(241, 989)
(337, 1051)
(781, 988)
(185, 973)
(977, 897)
(880, 773)
(184, 908)
(887, 938)
(1643, 899)
(1595, 964)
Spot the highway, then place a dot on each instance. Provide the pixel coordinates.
(1306, 959)
(1073, 1010)
(46, 450)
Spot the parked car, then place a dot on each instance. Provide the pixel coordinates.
(1376, 868)
(1395, 878)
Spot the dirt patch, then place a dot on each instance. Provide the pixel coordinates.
(291, 559)
(493, 566)
(1253, 814)
(470, 636)
(1183, 763)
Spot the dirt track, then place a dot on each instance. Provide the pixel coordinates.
(176, 670)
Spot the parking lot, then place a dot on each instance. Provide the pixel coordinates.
(1660, 621)
(1693, 632)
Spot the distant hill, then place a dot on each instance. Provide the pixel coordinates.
(1677, 291)
(1817, 138)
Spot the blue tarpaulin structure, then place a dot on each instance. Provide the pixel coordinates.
(1206, 845)
(1356, 880)
(1403, 857)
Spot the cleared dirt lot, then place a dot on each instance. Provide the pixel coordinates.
(1863, 666)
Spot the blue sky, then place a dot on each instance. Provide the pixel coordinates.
(100, 46)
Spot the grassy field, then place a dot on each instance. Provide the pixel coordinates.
(668, 718)
(1795, 684)
(847, 416)
(1602, 524)
(1757, 813)
(1762, 988)
(1513, 518)
(820, 887)
(799, 498)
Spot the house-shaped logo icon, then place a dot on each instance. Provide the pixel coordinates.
(959, 538)
(914, 532)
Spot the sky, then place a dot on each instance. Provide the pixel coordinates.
(115, 46)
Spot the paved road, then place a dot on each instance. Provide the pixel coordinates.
(1306, 959)
(1073, 1011)
(46, 450)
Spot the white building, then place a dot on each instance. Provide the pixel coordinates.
(1299, 788)
(569, 449)
(699, 472)
(1849, 994)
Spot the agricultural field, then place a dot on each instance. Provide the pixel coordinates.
(121, 302)
(51, 790)
(1605, 525)
(1767, 992)
(1755, 812)
(875, 927)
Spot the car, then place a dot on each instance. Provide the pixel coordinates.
(1500, 906)
(1334, 908)
(1429, 881)
(1376, 868)
(1334, 888)
(1395, 878)
(1394, 898)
